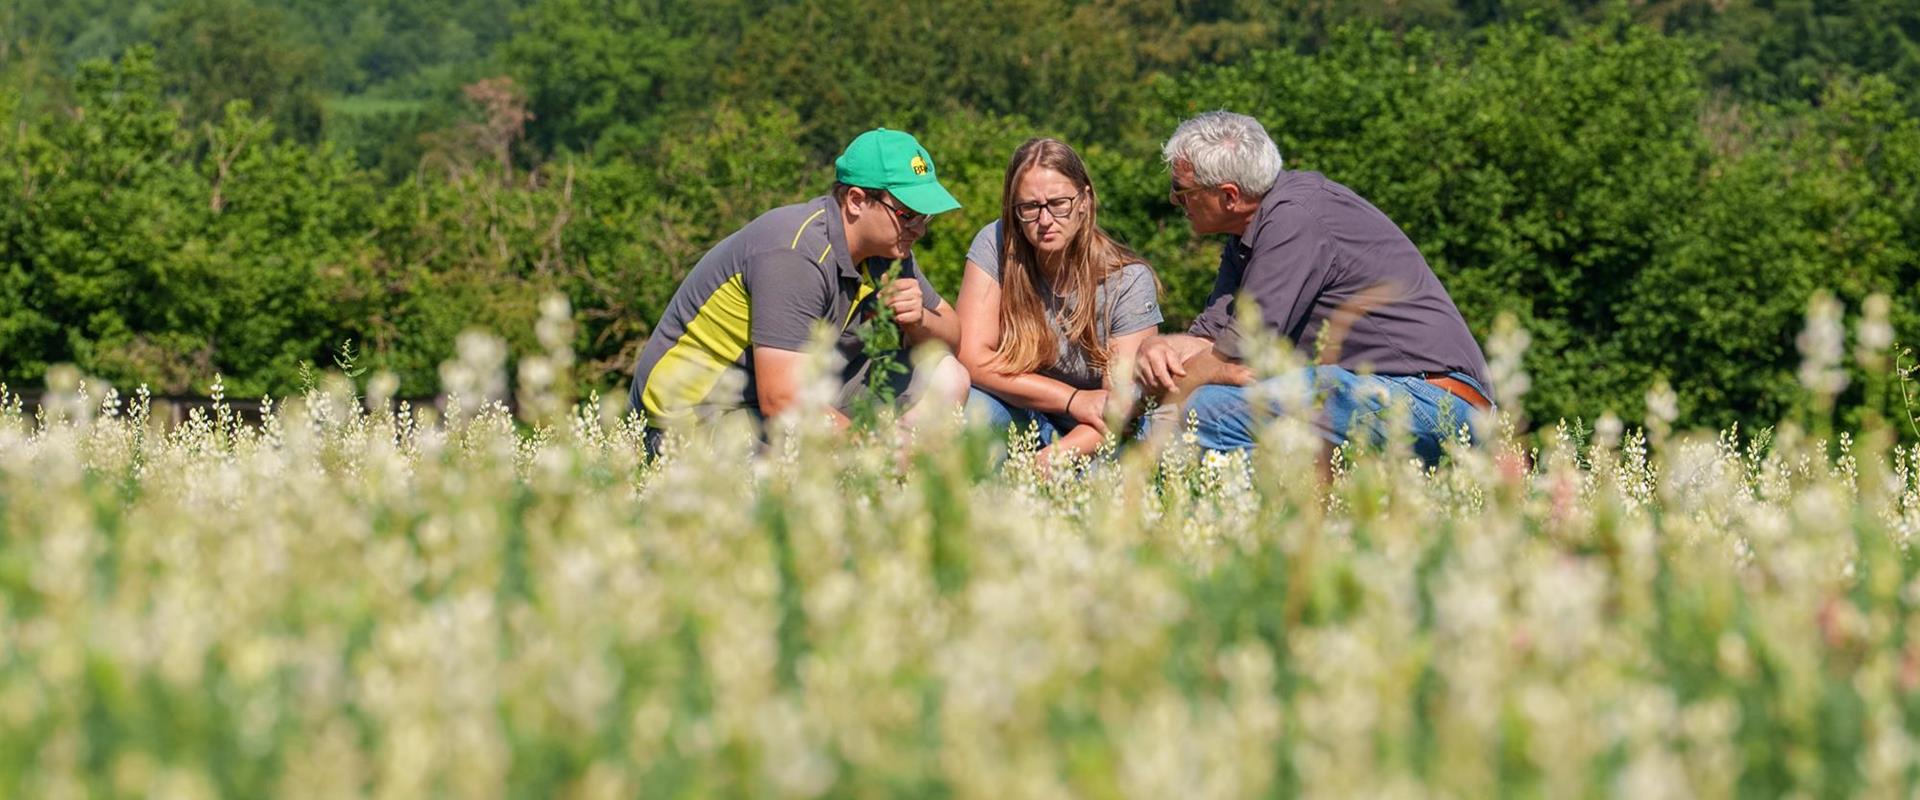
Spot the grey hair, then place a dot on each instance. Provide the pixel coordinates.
(1224, 147)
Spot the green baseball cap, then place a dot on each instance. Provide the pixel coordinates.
(894, 161)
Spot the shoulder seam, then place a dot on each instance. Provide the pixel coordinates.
(803, 228)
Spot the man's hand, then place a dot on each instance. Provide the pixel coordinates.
(906, 301)
(1163, 362)
(1207, 368)
(1089, 407)
(1159, 365)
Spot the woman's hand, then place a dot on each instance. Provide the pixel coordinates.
(1080, 441)
(1089, 407)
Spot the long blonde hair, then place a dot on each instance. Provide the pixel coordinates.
(1027, 340)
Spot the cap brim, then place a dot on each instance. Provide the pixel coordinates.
(926, 198)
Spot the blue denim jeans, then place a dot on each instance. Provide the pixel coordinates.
(1349, 405)
(998, 414)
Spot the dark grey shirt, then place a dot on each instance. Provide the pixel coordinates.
(769, 284)
(1318, 257)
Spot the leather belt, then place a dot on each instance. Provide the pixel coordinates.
(1461, 389)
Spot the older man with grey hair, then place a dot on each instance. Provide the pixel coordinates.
(1328, 272)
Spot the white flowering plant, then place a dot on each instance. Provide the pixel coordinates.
(353, 597)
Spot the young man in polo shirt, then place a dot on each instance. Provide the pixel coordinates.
(752, 303)
(1320, 261)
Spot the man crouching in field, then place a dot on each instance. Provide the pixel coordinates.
(1330, 273)
(752, 302)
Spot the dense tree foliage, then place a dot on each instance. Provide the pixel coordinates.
(238, 186)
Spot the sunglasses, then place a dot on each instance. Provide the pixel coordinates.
(907, 217)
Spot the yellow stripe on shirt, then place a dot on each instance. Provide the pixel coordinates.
(803, 229)
(716, 337)
(858, 297)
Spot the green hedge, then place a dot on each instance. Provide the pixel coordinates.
(1639, 225)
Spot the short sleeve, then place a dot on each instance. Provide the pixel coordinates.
(986, 250)
(1136, 301)
(786, 295)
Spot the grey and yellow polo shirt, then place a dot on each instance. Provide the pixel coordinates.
(767, 285)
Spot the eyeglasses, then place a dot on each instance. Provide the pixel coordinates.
(907, 218)
(1178, 196)
(1058, 207)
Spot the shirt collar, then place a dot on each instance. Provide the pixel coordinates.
(842, 255)
(1267, 202)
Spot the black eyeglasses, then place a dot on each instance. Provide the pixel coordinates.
(1058, 207)
(907, 218)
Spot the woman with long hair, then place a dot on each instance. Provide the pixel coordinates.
(1050, 303)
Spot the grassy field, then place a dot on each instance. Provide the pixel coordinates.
(343, 603)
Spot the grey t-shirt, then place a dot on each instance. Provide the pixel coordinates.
(1129, 298)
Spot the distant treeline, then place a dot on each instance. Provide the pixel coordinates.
(238, 187)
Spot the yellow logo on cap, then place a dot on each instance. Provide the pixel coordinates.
(919, 165)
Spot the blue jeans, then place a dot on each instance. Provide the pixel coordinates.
(998, 414)
(1349, 405)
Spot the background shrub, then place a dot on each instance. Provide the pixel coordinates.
(1652, 195)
